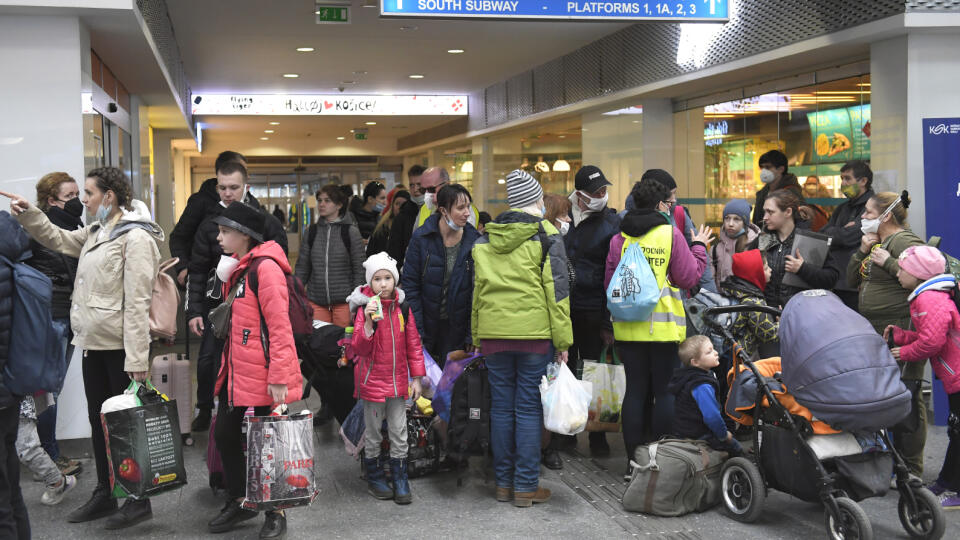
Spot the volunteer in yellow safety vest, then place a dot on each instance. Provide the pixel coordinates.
(648, 349)
(432, 180)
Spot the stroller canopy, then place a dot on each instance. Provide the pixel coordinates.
(835, 364)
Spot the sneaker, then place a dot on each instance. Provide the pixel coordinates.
(949, 501)
(68, 467)
(202, 421)
(54, 494)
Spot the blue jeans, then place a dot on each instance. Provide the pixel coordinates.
(47, 420)
(516, 417)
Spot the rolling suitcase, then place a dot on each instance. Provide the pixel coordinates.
(171, 376)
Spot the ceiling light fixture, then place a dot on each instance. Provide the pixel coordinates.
(291, 75)
(541, 165)
(305, 49)
(416, 76)
(274, 123)
(359, 73)
(409, 28)
(561, 165)
(264, 138)
(467, 167)
(501, 181)
(371, 123)
(455, 51)
(341, 138)
(348, 82)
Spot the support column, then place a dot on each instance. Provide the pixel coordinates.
(482, 172)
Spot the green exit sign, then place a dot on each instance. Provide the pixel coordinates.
(333, 14)
(360, 136)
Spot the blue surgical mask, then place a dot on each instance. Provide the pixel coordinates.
(103, 213)
(543, 210)
(451, 223)
(378, 207)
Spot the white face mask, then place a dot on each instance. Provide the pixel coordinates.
(564, 227)
(450, 223)
(873, 225)
(766, 176)
(596, 205)
(225, 267)
(430, 199)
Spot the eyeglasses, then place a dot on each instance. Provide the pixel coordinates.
(433, 189)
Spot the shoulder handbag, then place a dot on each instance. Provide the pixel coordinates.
(220, 316)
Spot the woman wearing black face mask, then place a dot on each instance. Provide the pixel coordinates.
(58, 197)
(438, 274)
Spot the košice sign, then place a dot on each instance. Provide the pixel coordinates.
(324, 105)
(620, 10)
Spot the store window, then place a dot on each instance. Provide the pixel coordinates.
(819, 128)
(458, 161)
(552, 153)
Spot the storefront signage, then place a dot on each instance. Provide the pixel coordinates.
(324, 105)
(714, 132)
(840, 135)
(614, 10)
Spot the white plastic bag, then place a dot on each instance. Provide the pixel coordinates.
(565, 402)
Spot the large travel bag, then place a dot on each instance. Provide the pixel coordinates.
(172, 376)
(673, 477)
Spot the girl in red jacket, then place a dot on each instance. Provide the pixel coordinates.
(387, 345)
(937, 337)
(248, 376)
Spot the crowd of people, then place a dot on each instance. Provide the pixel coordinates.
(419, 268)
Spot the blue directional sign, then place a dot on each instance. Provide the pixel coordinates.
(613, 10)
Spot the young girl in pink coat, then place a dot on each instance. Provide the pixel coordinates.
(937, 337)
(389, 354)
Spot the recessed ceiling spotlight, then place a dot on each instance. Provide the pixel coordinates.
(371, 123)
(305, 49)
(274, 123)
(264, 138)
(291, 75)
(455, 51)
(416, 76)
(341, 138)
(561, 136)
(353, 131)
(359, 73)
(268, 131)
(409, 28)
(348, 82)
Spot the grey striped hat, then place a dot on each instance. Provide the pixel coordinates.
(522, 189)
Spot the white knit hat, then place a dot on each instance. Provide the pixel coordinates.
(381, 261)
(522, 189)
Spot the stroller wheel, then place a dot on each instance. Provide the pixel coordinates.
(853, 523)
(925, 520)
(743, 490)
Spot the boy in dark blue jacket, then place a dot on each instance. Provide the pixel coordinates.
(697, 413)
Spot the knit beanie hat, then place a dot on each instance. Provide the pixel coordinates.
(738, 207)
(748, 265)
(381, 261)
(923, 262)
(522, 189)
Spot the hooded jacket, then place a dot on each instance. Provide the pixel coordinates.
(326, 266)
(61, 270)
(752, 328)
(207, 251)
(686, 263)
(846, 240)
(247, 368)
(696, 411)
(401, 230)
(117, 266)
(366, 221)
(722, 253)
(388, 358)
(200, 206)
(14, 244)
(422, 280)
(587, 245)
(937, 336)
(777, 293)
(787, 181)
(514, 296)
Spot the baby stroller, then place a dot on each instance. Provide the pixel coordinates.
(804, 455)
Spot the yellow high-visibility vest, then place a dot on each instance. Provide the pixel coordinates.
(668, 322)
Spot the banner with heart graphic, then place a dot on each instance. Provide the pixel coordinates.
(319, 104)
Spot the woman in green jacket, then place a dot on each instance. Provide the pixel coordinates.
(883, 301)
(521, 317)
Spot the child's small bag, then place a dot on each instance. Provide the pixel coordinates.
(280, 461)
(633, 292)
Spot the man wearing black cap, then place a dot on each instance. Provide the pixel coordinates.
(679, 214)
(587, 244)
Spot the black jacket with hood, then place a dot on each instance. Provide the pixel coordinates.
(587, 245)
(61, 269)
(846, 240)
(402, 230)
(14, 244)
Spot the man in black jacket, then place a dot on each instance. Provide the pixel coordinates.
(14, 522)
(403, 224)
(774, 175)
(587, 244)
(231, 186)
(200, 206)
(844, 224)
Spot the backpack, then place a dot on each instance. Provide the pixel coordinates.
(633, 292)
(673, 477)
(953, 268)
(164, 302)
(468, 433)
(301, 314)
(344, 236)
(37, 358)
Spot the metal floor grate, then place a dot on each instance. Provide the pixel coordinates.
(604, 490)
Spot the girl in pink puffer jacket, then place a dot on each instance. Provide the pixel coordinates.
(388, 354)
(937, 337)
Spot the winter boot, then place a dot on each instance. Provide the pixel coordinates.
(376, 480)
(401, 487)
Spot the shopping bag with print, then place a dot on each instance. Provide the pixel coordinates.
(609, 386)
(280, 461)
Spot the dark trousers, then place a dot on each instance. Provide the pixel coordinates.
(103, 378)
(229, 438)
(647, 404)
(587, 344)
(47, 420)
(442, 342)
(208, 365)
(14, 522)
(950, 472)
(850, 298)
